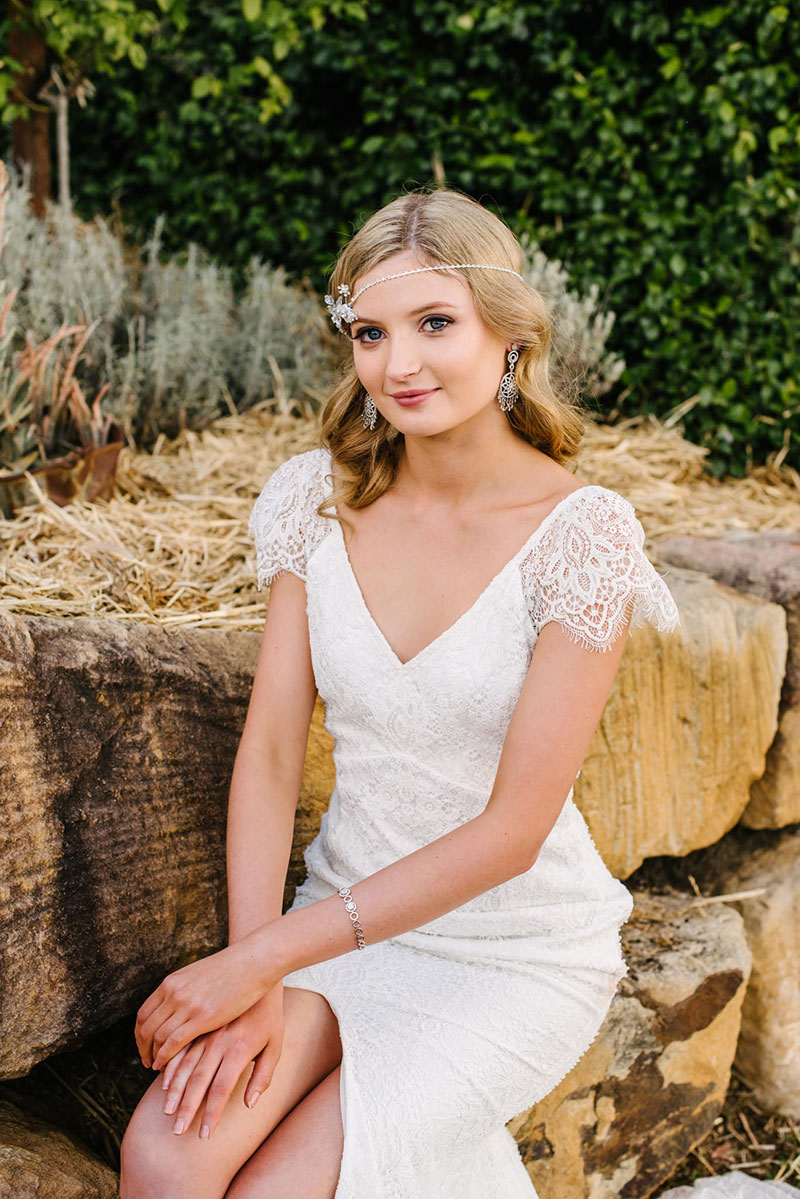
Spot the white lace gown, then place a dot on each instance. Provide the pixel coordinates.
(453, 1028)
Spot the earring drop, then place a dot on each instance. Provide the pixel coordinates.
(508, 392)
(370, 413)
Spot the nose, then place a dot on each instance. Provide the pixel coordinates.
(403, 358)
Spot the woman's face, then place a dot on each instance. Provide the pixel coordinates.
(423, 333)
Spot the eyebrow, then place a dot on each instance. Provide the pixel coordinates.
(416, 312)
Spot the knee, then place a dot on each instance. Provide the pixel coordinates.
(240, 1188)
(147, 1169)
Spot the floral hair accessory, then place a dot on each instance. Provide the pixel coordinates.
(340, 310)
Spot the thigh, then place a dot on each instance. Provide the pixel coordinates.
(154, 1161)
(283, 1167)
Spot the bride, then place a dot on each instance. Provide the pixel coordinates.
(460, 600)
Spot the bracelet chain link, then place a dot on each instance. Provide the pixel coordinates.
(352, 911)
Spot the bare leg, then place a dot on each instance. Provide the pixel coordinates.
(157, 1164)
(284, 1167)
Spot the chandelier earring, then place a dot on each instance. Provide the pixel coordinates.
(508, 392)
(370, 412)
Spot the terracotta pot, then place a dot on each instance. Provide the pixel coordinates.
(84, 474)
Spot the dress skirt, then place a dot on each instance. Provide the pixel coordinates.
(438, 1055)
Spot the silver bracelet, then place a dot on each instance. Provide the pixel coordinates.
(352, 911)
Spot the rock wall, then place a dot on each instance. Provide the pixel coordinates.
(760, 869)
(687, 726)
(765, 565)
(117, 743)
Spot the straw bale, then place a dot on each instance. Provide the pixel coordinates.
(171, 546)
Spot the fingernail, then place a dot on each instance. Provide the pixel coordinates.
(170, 1106)
(204, 1131)
(178, 1125)
(254, 1098)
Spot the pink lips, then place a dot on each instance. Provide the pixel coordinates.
(409, 399)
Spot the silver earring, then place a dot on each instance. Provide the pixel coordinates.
(508, 392)
(370, 413)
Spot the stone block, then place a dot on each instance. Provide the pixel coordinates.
(40, 1162)
(765, 565)
(655, 1078)
(687, 726)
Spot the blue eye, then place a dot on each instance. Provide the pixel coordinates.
(443, 322)
(369, 329)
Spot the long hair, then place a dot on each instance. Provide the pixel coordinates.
(444, 226)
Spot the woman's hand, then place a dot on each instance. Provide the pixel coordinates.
(215, 1062)
(203, 996)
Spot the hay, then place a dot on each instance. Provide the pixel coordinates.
(171, 547)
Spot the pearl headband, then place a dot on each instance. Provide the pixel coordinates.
(342, 308)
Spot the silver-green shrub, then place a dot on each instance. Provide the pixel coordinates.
(174, 343)
(581, 327)
(67, 272)
(281, 331)
(173, 371)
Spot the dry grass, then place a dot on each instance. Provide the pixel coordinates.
(171, 547)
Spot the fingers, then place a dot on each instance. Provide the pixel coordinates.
(223, 1086)
(171, 1067)
(172, 1036)
(150, 1004)
(176, 1082)
(196, 1085)
(145, 1027)
(170, 1005)
(261, 1077)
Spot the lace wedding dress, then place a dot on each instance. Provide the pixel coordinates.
(453, 1028)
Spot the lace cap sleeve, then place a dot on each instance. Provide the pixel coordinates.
(284, 524)
(590, 572)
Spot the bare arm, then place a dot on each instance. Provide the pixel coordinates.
(268, 769)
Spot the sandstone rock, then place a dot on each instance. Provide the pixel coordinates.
(686, 727)
(767, 565)
(117, 744)
(655, 1078)
(768, 1054)
(40, 1162)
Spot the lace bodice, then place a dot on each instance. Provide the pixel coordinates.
(417, 743)
(582, 566)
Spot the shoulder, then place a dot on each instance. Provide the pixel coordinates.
(284, 523)
(595, 498)
(299, 472)
(597, 511)
(589, 570)
(579, 500)
(298, 478)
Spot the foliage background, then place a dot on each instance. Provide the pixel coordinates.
(653, 147)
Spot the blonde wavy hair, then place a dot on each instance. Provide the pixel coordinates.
(444, 226)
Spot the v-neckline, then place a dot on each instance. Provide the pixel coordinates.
(381, 637)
